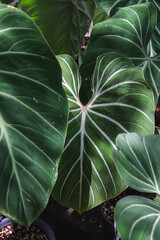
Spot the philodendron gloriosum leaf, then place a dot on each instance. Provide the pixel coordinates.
(58, 23)
(137, 158)
(121, 102)
(127, 32)
(110, 8)
(33, 117)
(138, 218)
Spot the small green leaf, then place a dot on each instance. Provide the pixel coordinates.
(138, 218)
(127, 32)
(137, 159)
(57, 21)
(120, 102)
(33, 117)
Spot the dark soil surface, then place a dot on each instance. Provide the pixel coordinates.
(20, 233)
(91, 225)
(68, 224)
(108, 207)
(16, 231)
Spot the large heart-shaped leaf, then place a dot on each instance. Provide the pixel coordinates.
(127, 32)
(57, 21)
(138, 218)
(120, 102)
(137, 159)
(33, 117)
(110, 8)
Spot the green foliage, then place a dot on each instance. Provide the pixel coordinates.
(108, 96)
(99, 16)
(57, 21)
(127, 34)
(110, 8)
(137, 218)
(33, 117)
(121, 102)
(137, 159)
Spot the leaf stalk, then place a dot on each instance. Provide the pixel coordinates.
(79, 33)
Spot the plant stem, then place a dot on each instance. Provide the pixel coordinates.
(79, 34)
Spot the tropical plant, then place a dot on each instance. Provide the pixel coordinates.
(33, 117)
(32, 138)
(126, 33)
(137, 159)
(120, 102)
(99, 16)
(110, 8)
(91, 130)
(63, 23)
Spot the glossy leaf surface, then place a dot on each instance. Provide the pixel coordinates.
(33, 117)
(137, 159)
(138, 218)
(127, 32)
(110, 8)
(57, 21)
(120, 102)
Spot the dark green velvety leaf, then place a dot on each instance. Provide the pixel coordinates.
(126, 33)
(57, 21)
(120, 102)
(137, 159)
(110, 8)
(33, 116)
(138, 218)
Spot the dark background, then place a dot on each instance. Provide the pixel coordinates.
(68, 224)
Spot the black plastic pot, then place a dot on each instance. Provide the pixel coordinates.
(38, 223)
(112, 224)
(105, 217)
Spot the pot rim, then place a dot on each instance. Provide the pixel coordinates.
(105, 217)
(38, 222)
